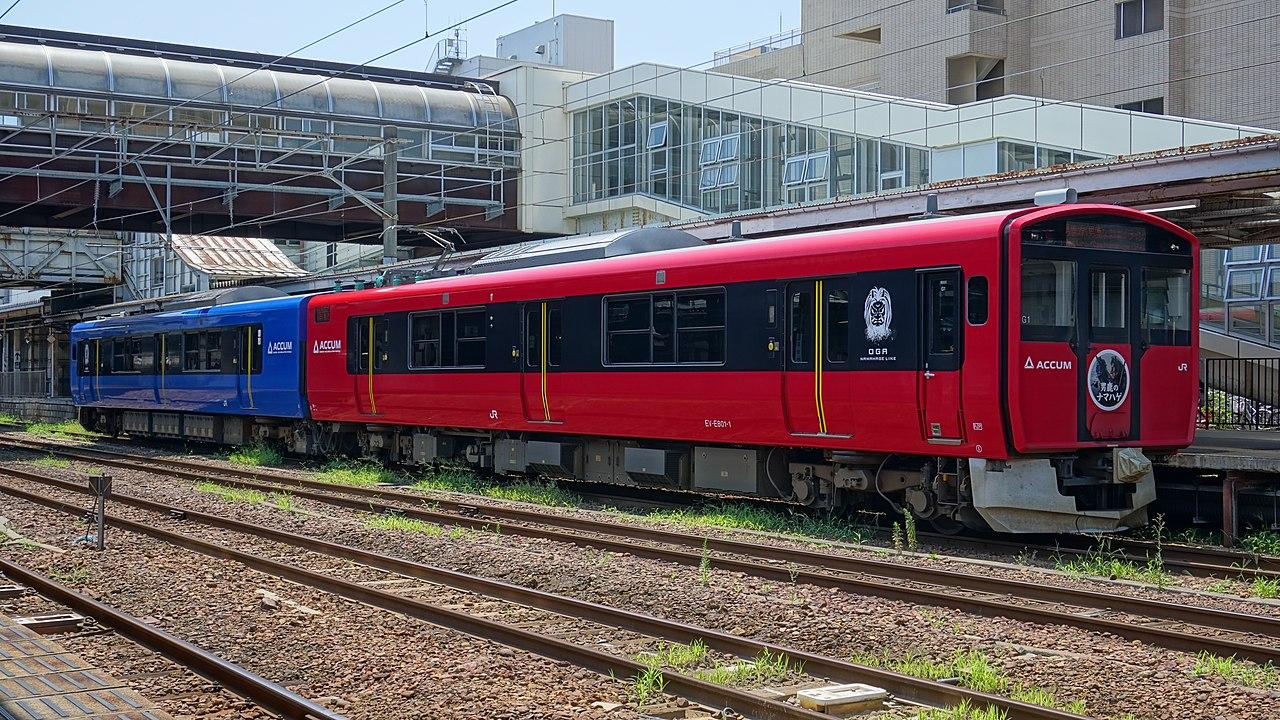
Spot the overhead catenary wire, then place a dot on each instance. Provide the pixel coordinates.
(286, 215)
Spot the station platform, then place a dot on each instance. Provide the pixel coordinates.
(41, 680)
(1243, 461)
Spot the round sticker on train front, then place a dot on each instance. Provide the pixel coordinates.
(1108, 380)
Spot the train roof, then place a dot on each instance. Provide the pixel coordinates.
(177, 318)
(761, 251)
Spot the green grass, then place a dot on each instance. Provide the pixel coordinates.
(64, 428)
(51, 461)
(1243, 672)
(281, 500)
(676, 656)
(1267, 589)
(963, 711)
(765, 668)
(1102, 561)
(400, 523)
(346, 472)
(647, 686)
(9, 419)
(974, 670)
(1263, 542)
(256, 455)
(745, 516)
(520, 491)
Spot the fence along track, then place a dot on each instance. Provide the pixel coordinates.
(252, 687)
(903, 686)
(766, 566)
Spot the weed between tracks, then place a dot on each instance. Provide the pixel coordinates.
(392, 521)
(763, 669)
(1243, 672)
(973, 669)
(1103, 561)
(1263, 542)
(522, 491)
(59, 429)
(282, 500)
(349, 472)
(9, 419)
(51, 461)
(256, 455)
(742, 516)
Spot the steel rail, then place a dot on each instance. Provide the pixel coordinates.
(925, 692)
(468, 515)
(249, 685)
(694, 689)
(1198, 561)
(477, 515)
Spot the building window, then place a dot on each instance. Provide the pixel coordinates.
(157, 271)
(710, 178)
(729, 174)
(710, 151)
(1244, 284)
(657, 135)
(1154, 106)
(1135, 17)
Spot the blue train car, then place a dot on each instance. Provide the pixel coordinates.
(199, 373)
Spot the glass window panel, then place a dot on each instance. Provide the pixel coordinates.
(402, 102)
(729, 174)
(354, 144)
(25, 65)
(310, 93)
(943, 332)
(1048, 299)
(1048, 157)
(1244, 284)
(977, 300)
(657, 135)
(1108, 300)
(1244, 254)
(710, 178)
(137, 75)
(1246, 319)
(664, 325)
(627, 314)
(425, 340)
(191, 81)
(1166, 303)
(794, 172)
(450, 107)
(837, 315)
(134, 114)
(710, 151)
(79, 69)
(815, 168)
(247, 87)
(1015, 157)
(729, 147)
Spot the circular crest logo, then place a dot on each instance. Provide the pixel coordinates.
(1108, 380)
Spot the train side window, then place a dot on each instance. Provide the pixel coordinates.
(664, 329)
(143, 350)
(424, 332)
(976, 302)
(555, 337)
(249, 348)
(358, 330)
(801, 326)
(173, 353)
(837, 315)
(944, 315)
(1048, 300)
(212, 355)
(471, 337)
(628, 331)
(533, 339)
(700, 323)
(122, 355)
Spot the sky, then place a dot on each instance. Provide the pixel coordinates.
(675, 32)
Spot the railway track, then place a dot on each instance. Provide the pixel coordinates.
(1242, 635)
(250, 686)
(904, 687)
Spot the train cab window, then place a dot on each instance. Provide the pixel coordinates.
(837, 317)
(976, 302)
(1048, 299)
(800, 305)
(1166, 306)
(533, 336)
(1108, 303)
(700, 327)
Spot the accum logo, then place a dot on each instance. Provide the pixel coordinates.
(326, 346)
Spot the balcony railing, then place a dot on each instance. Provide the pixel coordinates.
(758, 47)
(1240, 394)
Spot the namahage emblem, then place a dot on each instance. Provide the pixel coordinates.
(878, 313)
(1108, 380)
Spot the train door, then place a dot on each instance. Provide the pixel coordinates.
(939, 379)
(543, 347)
(89, 367)
(817, 393)
(369, 338)
(246, 354)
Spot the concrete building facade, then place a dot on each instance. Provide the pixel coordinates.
(1204, 59)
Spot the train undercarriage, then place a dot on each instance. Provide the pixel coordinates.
(1086, 491)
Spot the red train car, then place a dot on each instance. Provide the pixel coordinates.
(1002, 369)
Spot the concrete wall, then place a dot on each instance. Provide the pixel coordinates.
(38, 409)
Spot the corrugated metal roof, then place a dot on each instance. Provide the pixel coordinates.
(235, 257)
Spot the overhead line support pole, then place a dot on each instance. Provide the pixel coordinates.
(391, 214)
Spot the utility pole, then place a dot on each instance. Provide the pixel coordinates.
(391, 217)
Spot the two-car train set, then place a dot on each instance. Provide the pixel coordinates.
(1004, 370)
